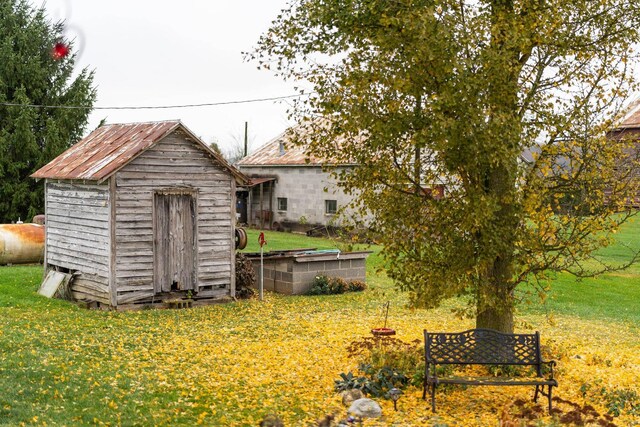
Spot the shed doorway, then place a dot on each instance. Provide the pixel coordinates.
(174, 249)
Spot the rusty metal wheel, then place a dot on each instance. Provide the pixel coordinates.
(241, 238)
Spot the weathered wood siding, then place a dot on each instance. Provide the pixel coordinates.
(77, 236)
(174, 163)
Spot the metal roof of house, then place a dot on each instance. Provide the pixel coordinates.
(287, 149)
(631, 118)
(280, 151)
(110, 147)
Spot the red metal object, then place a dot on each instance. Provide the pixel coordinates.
(381, 332)
(261, 240)
(59, 51)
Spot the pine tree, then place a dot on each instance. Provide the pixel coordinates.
(30, 74)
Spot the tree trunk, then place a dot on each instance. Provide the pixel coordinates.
(498, 318)
(495, 302)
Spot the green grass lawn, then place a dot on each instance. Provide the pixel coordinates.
(614, 296)
(232, 364)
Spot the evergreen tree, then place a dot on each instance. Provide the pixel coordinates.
(32, 74)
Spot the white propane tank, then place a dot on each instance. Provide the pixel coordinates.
(21, 243)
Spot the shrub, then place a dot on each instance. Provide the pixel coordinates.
(374, 382)
(621, 401)
(245, 277)
(320, 286)
(323, 285)
(357, 286)
(617, 401)
(337, 285)
(385, 363)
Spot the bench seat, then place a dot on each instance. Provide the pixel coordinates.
(485, 347)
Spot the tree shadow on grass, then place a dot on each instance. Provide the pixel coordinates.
(523, 413)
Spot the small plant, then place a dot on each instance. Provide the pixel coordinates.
(320, 286)
(323, 285)
(349, 381)
(622, 401)
(384, 363)
(357, 286)
(337, 285)
(374, 382)
(618, 401)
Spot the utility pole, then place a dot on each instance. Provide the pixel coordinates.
(246, 137)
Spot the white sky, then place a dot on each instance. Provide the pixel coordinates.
(168, 52)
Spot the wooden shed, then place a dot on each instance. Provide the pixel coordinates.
(140, 214)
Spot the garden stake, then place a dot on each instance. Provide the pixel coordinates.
(262, 242)
(386, 314)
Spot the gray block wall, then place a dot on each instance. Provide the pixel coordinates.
(304, 188)
(294, 275)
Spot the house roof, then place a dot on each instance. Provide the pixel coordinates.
(110, 147)
(631, 118)
(287, 149)
(280, 151)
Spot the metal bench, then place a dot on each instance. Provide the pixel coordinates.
(485, 347)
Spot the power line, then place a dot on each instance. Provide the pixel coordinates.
(153, 107)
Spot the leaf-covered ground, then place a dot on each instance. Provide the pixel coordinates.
(233, 364)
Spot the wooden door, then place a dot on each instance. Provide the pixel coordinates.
(174, 249)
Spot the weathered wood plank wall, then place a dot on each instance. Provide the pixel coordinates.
(173, 163)
(78, 236)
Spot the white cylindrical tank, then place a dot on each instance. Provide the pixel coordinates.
(21, 243)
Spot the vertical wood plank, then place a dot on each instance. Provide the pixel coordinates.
(45, 261)
(195, 220)
(113, 290)
(165, 261)
(232, 237)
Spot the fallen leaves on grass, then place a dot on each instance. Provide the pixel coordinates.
(234, 364)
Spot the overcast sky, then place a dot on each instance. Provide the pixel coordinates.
(168, 52)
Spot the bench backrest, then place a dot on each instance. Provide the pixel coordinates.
(483, 347)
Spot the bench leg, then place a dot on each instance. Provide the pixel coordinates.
(424, 389)
(433, 397)
(548, 395)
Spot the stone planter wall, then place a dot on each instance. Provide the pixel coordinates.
(292, 273)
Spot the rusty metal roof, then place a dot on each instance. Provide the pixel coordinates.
(631, 119)
(280, 151)
(287, 149)
(260, 180)
(110, 147)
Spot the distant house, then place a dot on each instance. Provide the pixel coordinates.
(289, 188)
(141, 213)
(628, 128)
(629, 125)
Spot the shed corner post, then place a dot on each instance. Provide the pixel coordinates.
(113, 291)
(45, 262)
(234, 221)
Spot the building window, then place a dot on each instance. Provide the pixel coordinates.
(330, 207)
(282, 203)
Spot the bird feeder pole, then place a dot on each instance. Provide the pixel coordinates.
(262, 242)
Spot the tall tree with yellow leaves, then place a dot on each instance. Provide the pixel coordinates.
(505, 102)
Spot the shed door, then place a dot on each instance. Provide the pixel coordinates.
(174, 242)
